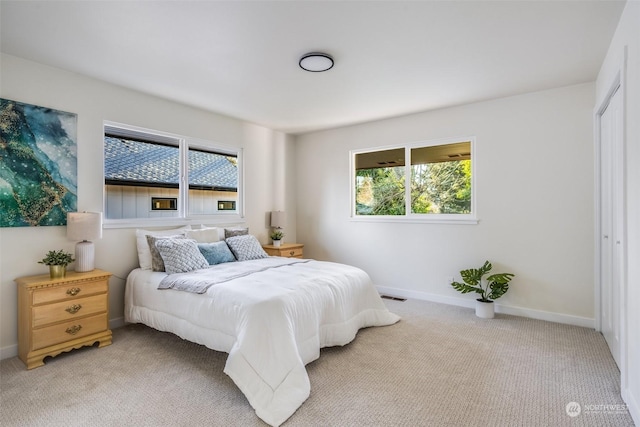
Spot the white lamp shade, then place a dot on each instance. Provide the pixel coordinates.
(277, 219)
(84, 225)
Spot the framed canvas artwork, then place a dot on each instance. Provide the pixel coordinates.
(38, 165)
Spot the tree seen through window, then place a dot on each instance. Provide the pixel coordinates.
(439, 177)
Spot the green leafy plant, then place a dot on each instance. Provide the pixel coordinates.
(277, 235)
(490, 288)
(57, 258)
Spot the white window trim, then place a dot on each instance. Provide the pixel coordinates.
(183, 218)
(409, 217)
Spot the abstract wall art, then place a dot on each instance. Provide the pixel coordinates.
(38, 165)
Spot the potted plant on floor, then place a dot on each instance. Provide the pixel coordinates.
(490, 288)
(276, 236)
(57, 262)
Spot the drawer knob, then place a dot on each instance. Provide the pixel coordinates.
(73, 291)
(72, 330)
(73, 309)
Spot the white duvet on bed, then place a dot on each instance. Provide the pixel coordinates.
(271, 322)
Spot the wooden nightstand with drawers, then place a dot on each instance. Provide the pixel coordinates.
(58, 315)
(289, 250)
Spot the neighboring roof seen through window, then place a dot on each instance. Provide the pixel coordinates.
(131, 162)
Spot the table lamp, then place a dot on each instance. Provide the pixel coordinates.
(277, 219)
(84, 226)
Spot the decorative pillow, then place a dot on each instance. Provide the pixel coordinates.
(232, 232)
(157, 264)
(180, 255)
(246, 248)
(144, 253)
(216, 252)
(204, 235)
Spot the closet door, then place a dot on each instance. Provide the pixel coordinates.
(611, 222)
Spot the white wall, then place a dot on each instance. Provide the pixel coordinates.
(267, 160)
(627, 37)
(534, 187)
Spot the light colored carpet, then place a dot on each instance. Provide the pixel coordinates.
(439, 366)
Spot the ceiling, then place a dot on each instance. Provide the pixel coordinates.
(240, 58)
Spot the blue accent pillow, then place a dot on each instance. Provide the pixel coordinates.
(216, 252)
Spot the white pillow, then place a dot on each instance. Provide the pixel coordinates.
(144, 253)
(235, 231)
(181, 255)
(204, 235)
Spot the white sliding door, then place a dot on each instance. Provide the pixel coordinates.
(611, 214)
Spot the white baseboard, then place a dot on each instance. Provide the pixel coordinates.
(116, 323)
(8, 352)
(632, 404)
(12, 350)
(470, 303)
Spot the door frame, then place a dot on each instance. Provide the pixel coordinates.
(618, 84)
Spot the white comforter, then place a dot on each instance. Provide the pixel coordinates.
(271, 322)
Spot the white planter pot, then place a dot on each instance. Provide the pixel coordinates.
(484, 309)
(276, 243)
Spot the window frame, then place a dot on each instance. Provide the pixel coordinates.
(470, 218)
(183, 143)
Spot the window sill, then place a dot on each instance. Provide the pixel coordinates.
(211, 221)
(417, 220)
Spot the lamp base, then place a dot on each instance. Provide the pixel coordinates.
(85, 256)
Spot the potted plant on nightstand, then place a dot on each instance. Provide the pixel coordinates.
(57, 262)
(276, 236)
(490, 288)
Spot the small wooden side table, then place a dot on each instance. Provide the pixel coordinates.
(289, 250)
(58, 315)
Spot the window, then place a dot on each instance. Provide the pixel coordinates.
(164, 204)
(437, 185)
(380, 182)
(226, 205)
(143, 170)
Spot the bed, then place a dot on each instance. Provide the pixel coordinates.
(272, 315)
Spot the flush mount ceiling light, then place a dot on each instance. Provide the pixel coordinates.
(316, 62)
